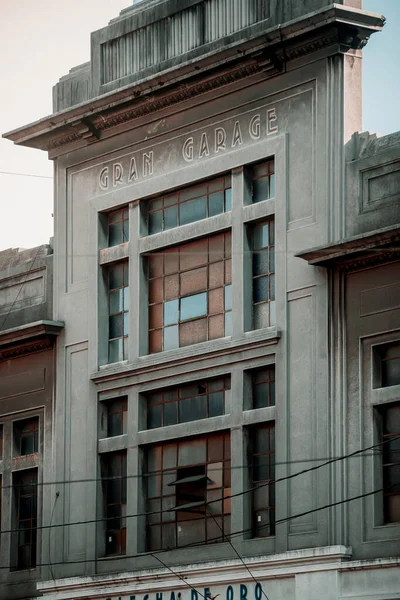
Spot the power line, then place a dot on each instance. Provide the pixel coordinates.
(259, 486)
(25, 175)
(216, 539)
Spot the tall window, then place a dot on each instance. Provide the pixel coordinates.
(1, 442)
(190, 204)
(117, 416)
(263, 387)
(391, 462)
(190, 293)
(188, 488)
(26, 435)
(263, 181)
(198, 400)
(114, 490)
(118, 226)
(263, 475)
(25, 494)
(118, 309)
(263, 247)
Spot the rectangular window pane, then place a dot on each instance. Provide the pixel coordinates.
(25, 495)
(193, 306)
(118, 306)
(193, 210)
(114, 491)
(391, 462)
(262, 237)
(262, 440)
(171, 312)
(171, 337)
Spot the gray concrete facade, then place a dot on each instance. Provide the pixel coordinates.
(165, 104)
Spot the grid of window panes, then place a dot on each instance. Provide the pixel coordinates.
(118, 309)
(190, 204)
(263, 249)
(26, 435)
(182, 478)
(118, 227)
(190, 293)
(263, 181)
(114, 490)
(117, 416)
(263, 387)
(263, 475)
(25, 493)
(390, 365)
(199, 400)
(391, 462)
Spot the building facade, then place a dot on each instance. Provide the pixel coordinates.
(207, 376)
(27, 382)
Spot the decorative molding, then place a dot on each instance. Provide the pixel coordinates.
(369, 260)
(38, 345)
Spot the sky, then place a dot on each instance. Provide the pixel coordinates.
(40, 41)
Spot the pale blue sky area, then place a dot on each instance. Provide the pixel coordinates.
(381, 71)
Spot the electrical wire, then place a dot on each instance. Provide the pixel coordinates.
(25, 175)
(216, 539)
(244, 492)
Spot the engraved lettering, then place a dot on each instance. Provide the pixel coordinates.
(188, 150)
(237, 139)
(271, 119)
(117, 174)
(220, 139)
(204, 150)
(103, 178)
(132, 170)
(254, 127)
(148, 164)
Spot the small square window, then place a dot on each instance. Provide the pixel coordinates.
(387, 365)
(118, 227)
(263, 181)
(26, 435)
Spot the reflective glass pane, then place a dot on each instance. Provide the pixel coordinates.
(193, 306)
(115, 276)
(170, 413)
(228, 323)
(260, 236)
(216, 404)
(126, 323)
(170, 217)
(171, 337)
(115, 234)
(228, 297)
(272, 287)
(272, 186)
(272, 259)
(155, 222)
(126, 231)
(114, 424)
(126, 298)
(260, 289)
(193, 210)
(215, 203)
(260, 395)
(115, 326)
(27, 444)
(260, 189)
(154, 416)
(228, 199)
(115, 351)
(260, 262)
(115, 298)
(171, 312)
(391, 372)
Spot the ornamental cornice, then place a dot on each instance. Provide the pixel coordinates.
(27, 348)
(370, 260)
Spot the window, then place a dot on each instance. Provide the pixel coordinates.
(198, 400)
(189, 205)
(117, 416)
(25, 493)
(118, 310)
(1, 442)
(262, 461)
(390, 365)
(390, 415)
(114, 489)
(263, 247)
(118, 227)
(188, 492)
(263, 181)
(263, 387)
(190, 293)
(26, 435)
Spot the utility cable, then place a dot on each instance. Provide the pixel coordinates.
(25, 175)
(244, 492)
(197, 544)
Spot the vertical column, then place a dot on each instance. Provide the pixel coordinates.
(136, 504)
(237, 253)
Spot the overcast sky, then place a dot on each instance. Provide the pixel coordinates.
(40, 41)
